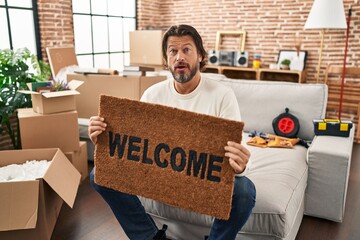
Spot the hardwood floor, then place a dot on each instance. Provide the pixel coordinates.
(89, 219)
(92, 219)
(320, 229)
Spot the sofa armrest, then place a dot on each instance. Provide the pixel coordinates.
(329, 161)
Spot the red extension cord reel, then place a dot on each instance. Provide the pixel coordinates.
(286, 125)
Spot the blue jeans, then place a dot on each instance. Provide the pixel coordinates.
(138, 225)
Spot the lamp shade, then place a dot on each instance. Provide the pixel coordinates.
(326, 14)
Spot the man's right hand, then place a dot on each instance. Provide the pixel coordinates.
(96, 127)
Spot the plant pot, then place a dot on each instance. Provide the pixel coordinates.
(284, 67)
(6, 142)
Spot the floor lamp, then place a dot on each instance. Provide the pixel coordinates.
(325, 14)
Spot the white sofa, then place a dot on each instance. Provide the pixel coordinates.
(289, 182)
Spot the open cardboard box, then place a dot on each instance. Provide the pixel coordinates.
(29, 209)
(53, 102)
(60, 57)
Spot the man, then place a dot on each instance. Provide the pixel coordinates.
(184, 53)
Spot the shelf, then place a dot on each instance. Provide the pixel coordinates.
(213, 69)
(258, 74)
(282, 75)
(242, 73)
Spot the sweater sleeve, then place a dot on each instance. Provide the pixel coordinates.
(230, 107)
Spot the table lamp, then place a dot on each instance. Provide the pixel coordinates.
(325, 14)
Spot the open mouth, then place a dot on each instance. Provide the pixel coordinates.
(181, 67)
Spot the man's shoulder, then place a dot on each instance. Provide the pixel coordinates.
(217, 85)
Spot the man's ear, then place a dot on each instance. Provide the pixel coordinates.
(200, 57)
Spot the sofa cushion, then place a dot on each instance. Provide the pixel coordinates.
(261, 101)
(280, 177)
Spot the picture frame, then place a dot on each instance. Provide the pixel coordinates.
(240, 34)
(297, 62)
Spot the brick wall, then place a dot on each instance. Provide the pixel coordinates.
(56, 24)
(270, 26)
(148, 14)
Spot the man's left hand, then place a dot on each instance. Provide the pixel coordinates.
(238, 156)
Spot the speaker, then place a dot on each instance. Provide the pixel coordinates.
(241, 59)
(213, 57)
(226, 58)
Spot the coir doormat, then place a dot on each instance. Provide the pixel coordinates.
(166, 154)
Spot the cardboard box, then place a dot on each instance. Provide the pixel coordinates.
(53, 102)
(87, 102)
(59, 130)
(60, 57)
(79, 160)
(145, 47)
(83, 132)
(29, 209)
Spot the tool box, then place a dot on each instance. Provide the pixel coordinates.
(332, 127)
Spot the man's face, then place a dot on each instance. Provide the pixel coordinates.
(182, 58)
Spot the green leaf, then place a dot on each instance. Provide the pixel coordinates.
(17, 68)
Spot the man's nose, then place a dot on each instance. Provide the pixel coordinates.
(179, 56)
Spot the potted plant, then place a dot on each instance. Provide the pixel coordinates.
(285, 64)
(17, 68)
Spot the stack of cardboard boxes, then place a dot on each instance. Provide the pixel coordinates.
(49, 131)
(53, 123)
(29, 209)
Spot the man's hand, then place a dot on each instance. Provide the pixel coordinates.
(96, 127)
(238, 156)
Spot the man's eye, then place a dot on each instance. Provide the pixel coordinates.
(186, 50)
(172, 51)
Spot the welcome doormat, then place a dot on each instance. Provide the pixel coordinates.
(166, 154)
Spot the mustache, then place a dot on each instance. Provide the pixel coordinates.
(181, 64)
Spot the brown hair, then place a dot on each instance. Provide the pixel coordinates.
(185, 30)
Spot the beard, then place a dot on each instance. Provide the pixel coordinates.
(183, 77)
